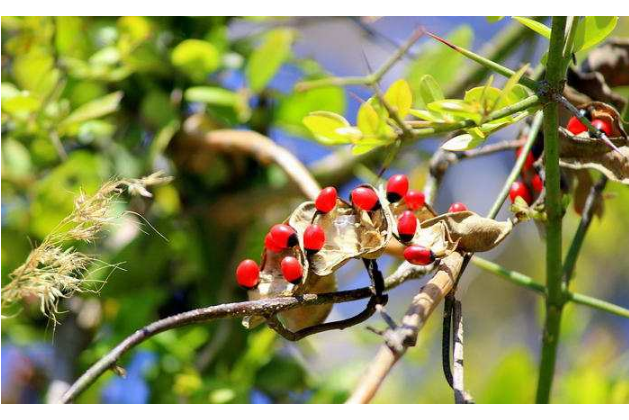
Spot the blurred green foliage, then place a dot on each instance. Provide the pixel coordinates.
(86, 99)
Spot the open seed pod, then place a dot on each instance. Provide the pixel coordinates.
(584, 152)
(472, 233)
(436, 237)
(350, 233)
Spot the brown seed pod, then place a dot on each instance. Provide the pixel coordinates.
(350, 233)
(472, 232)
(584, 152)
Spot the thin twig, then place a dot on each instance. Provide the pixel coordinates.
(458, 383)
(405, 335)
(263, 307)
(591, 203)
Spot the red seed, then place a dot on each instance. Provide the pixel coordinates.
(457, 207)
(248, 274)
(397, 187)
(291, 269)
(537, 183)
(575, 126)
(415, 199)
(406, 226)
(603, 125)
(270, 245)
(326, 200)
(528, 162)
(365, 199)
(314, 238)
(419, 255)
(519, 189)
(284, 236)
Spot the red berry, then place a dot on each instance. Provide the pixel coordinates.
(415, 199)
(326, 200)
(397, 187)
(284, 236)
(365, 199)
(314, 238)
(419, 255)
(270, 245)
(537, 183)
(603, 125)
(528, 162)
(248, 274)
(519, 189)
(575, 126)
(291, 269)
(406, 226)
(457, 207)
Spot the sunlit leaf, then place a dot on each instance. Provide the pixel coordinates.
(399, 97)
(267, 59)
(592, 30)
(462, 142)
(494, 19)
(293, 108)
(456, 107)
(196, 58)
(211, 95)
(536, 26)
(505, 96)
(92, 110)
(323, 125)
(430, 90)
(368, 120)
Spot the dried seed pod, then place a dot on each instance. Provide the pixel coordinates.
(349, 232)
(583, 152)
(472, 232)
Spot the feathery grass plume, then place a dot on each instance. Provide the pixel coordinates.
(53, 271)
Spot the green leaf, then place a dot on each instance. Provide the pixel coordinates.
(439, 61)
(267, 59)
(426, 115)
(211, 95)
(506, 98)
(592, 30)
(196, 58)
(482, 97)
(325, 125)
(92, 110)
(463, 142)
(456, 107)
(368, 120)
(361, 149)
(399, 97)
(494, 19)
(536, 26)
(429, 89)
(293, 108)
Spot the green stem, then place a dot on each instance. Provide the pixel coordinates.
(579, 236)
(515, 172)
(491, 65)
(523, 280)
(598, 304)
(554, 209)
(523, 105)
(512, 276)
(370, 79)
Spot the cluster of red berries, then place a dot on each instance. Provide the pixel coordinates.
(282, 237)
(576, 127)
(397, 189)
(530, 180)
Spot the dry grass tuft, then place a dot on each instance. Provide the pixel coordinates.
(53, 271)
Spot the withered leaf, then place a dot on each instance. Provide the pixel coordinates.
(473, 233)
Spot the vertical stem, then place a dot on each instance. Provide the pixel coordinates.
(555, 299)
